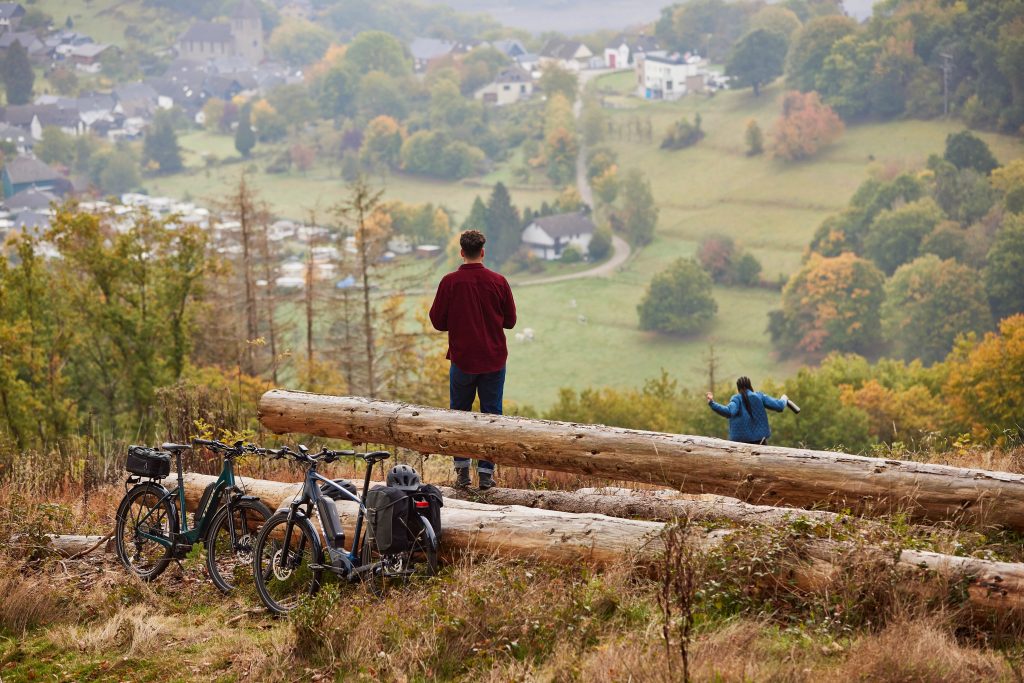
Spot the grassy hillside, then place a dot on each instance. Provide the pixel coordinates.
(769, 206)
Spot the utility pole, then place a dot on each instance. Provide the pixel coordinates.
(947, 68)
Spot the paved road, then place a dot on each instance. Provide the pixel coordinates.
(620, 252)
(620, 248)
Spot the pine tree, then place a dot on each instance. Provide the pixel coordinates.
(245, 138)
(503, 225)
(161, 145)
(18, 75)
(477, 218)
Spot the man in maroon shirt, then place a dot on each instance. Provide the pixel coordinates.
(474, 306)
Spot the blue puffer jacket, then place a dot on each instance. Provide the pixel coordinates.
(749, 427)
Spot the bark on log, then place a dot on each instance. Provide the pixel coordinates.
(692, 464)
(568, 538)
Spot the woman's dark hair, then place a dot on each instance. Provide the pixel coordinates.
(744, 385)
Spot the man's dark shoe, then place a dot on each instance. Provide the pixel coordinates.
(462, 480)
(486, 481)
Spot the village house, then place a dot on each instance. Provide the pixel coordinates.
(623, 50)
(22, 173)
(668, 77)
(33, 118)
(570, 55)
(11, 14)
(512, 84)
(241, 37)
(88, 57)
(35, 48)
(549, 236)
(424, 51)
(16, 136)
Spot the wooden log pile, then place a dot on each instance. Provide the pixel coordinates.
(691, 464)
(573, 537)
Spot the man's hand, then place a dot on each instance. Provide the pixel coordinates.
(710, 396)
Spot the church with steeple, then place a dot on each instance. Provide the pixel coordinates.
(241, 36)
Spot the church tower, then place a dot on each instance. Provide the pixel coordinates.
(247, 30)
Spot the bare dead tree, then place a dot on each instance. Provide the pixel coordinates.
(360, 208)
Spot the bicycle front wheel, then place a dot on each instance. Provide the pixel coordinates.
(230, 542)
(285, 575)
(145, 513)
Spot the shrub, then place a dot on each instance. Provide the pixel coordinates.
(572, 254)
(678, 300)
(600, 244)
(683, 134)
(805, 127)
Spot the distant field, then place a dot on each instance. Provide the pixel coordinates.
(294, 194)
(106, 20)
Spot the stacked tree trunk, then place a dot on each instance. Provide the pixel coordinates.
(570, 538)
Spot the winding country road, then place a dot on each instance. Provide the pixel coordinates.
(620, 248)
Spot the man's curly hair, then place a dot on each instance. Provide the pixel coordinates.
(472, 243)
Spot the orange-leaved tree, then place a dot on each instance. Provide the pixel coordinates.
(983, 388)
(805, 127)
(831, 304)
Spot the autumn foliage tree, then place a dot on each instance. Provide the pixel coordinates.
(928, 303)
(831, 304)
(805, 127)
(984, 381)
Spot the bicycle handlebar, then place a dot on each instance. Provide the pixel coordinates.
(324, 454)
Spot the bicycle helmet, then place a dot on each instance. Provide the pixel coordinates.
(404, 477)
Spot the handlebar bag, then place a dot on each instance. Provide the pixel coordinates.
(148, 462)
(387, 520)
(427, 502)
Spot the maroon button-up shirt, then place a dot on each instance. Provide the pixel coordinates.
(474, 306)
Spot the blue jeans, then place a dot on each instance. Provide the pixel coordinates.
(464, 387)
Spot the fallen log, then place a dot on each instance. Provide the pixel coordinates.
(568, 538)
(691, 464)
(509, 531)
(661, 506)
(69, 546)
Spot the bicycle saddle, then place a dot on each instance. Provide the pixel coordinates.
(374, 456)
(174, 447)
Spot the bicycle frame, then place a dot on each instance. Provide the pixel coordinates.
(310, 498)
(186, 536)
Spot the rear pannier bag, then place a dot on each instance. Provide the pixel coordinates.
(148, 462)
(387, 519)
(431, 496)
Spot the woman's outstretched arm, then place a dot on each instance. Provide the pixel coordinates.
(730, 410)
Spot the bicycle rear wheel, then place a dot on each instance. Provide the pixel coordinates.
(228, 559)
(284, 576)
(144, 510)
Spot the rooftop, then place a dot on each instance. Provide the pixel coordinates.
(566, 224)
(207, 32)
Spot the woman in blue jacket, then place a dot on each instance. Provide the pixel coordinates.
(748, 421)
